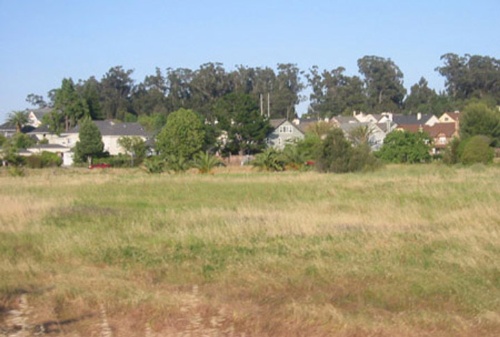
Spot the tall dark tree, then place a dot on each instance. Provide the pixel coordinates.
(286, 91)
(69, 104)
(209, 83)
(239, 115)
(178, 88)
(421, 99)
(89, 91)
(150, 96)
(116, 90)
(471, 76)
(384, 83)
(334, 93)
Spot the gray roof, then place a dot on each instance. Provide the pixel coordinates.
(277, 122)
(41, 129)
(347, 127)
(411, 119)
(113, 128)
(39, 113)
(345, 119)
(386, 126)
(8, 127)
(48, 146)
(11, 127)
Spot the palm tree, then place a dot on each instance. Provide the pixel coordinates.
(205, 162)
(19, 119)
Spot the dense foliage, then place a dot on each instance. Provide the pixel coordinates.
(182, 137)
(338, 155)
(377, 88)
(476, 150)
(90, 142)
(479, 119)
(405, 147)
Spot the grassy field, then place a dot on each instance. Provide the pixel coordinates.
(405, 251)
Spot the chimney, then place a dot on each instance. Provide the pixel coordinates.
(419, 116)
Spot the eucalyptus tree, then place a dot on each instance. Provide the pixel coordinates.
(471, 76)
(334, 93)
(69, 104)
(383, 83)
(116, 90)
(421, 98)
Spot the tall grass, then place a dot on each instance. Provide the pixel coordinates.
(406, 251)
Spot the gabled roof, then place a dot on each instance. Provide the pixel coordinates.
(453, 115)
(39, 113)
(348, 127)
(41, 129)
(305, 124)
(386, 126)
(9, 127)
(447, 129)
(275, 123)
(344, 119)
(112, 128)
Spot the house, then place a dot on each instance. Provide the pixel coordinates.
(111, 132)
(440, 133)
(418, 119)
(284, 132)
(451, 117)
(7, 130)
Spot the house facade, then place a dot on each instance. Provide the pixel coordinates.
(284, 132)
(111, 132)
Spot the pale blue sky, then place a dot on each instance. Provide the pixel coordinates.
(43, 41)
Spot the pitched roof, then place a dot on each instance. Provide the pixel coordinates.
(39, 113)
(12, 128)
(447, 129)
(344, 119)
(305, 124)
(276, 122)
(41, 129)
(411, 119)
(112, 128)
(453, 115)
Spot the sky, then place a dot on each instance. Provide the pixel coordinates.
(44, 41)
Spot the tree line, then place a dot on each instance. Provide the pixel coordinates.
(274, 92)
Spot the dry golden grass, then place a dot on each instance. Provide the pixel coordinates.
(406, 251)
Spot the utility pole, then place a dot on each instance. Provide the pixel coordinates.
(261, 105)
(268, 105)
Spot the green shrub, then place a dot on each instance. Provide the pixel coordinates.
(50, 159)
(45, 159)
(120, 160)
(205, 162)
(154, 165)
(34, 161)
(270, 160)
(477, 150)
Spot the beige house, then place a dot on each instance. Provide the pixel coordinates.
(111, 132)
